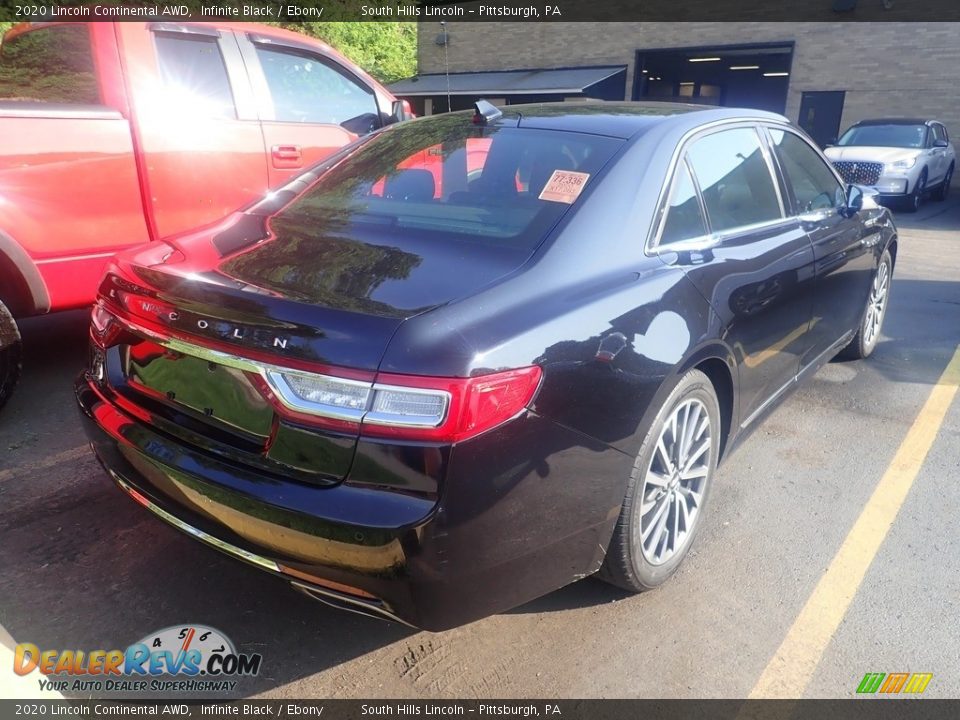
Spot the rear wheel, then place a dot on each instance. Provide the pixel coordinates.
(915, 200)
(944, 190)
(668, 488)
(865, 340)
(11, 351)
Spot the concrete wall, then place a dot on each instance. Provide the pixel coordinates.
(887, 69)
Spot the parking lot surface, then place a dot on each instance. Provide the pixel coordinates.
(84, 567)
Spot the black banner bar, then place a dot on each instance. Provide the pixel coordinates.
(485, 10)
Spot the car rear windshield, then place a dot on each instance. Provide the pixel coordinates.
(894, 135)
(448, 179)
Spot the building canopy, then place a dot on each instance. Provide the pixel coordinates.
(507, 82)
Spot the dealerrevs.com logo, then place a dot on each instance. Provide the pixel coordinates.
(182, 658)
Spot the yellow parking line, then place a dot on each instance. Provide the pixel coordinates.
(789, 671)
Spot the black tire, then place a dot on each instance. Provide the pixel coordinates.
(11, 354)
(865, 341)
(627, 564)
(944, 190)
(915, 199)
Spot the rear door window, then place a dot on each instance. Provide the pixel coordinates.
(195, 75)
(734, 177)
(49, 65)
(306, 89)
(684, 219)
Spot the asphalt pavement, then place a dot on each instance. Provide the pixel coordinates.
(83, 567)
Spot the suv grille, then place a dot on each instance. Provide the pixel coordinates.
(860, 173)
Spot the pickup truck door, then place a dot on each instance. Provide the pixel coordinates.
(310, 103)
(69, 195)
(196, 123)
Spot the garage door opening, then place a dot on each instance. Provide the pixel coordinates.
(749, 76)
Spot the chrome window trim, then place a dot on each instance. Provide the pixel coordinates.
(754, 227)
(652, 246)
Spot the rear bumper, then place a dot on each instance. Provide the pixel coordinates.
(499, 535)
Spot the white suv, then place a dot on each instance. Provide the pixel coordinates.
(899, 159)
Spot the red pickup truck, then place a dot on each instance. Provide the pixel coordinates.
(114, 134)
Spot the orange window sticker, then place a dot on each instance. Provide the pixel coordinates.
(564, 186)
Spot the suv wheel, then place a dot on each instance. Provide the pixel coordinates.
(916, 197)
(668, 488)
(11, 351)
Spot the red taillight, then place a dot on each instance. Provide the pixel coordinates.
(404, 407)
(475, 405)
(103, 329)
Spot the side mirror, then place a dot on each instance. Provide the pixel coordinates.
(400, 111)
(854, 201)
(831, 142)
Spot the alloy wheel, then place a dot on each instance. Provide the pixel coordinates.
(876, 305)
(918, 192)
(674, 484)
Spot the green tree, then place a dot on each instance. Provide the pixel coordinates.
(386, 50)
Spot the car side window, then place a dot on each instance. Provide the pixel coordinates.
(735, 179)
(49, 65)
(814, 185)
(940, 133)
(305, 89)
(684, 219)
(194, 73)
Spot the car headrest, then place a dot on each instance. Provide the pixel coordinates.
(543, 168)
(412, 184)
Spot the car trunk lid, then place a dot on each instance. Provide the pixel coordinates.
(198, 342)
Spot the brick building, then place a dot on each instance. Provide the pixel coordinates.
(824, 76)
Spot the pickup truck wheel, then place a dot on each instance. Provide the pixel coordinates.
(944, 190)
(668, 488)
(865, 340)
(11, 351)
(916, 197)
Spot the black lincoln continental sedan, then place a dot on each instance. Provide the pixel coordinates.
(475, 357)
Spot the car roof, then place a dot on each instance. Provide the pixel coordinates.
(619, 119)
(895, 121)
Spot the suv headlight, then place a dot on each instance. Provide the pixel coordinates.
(904, 164)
